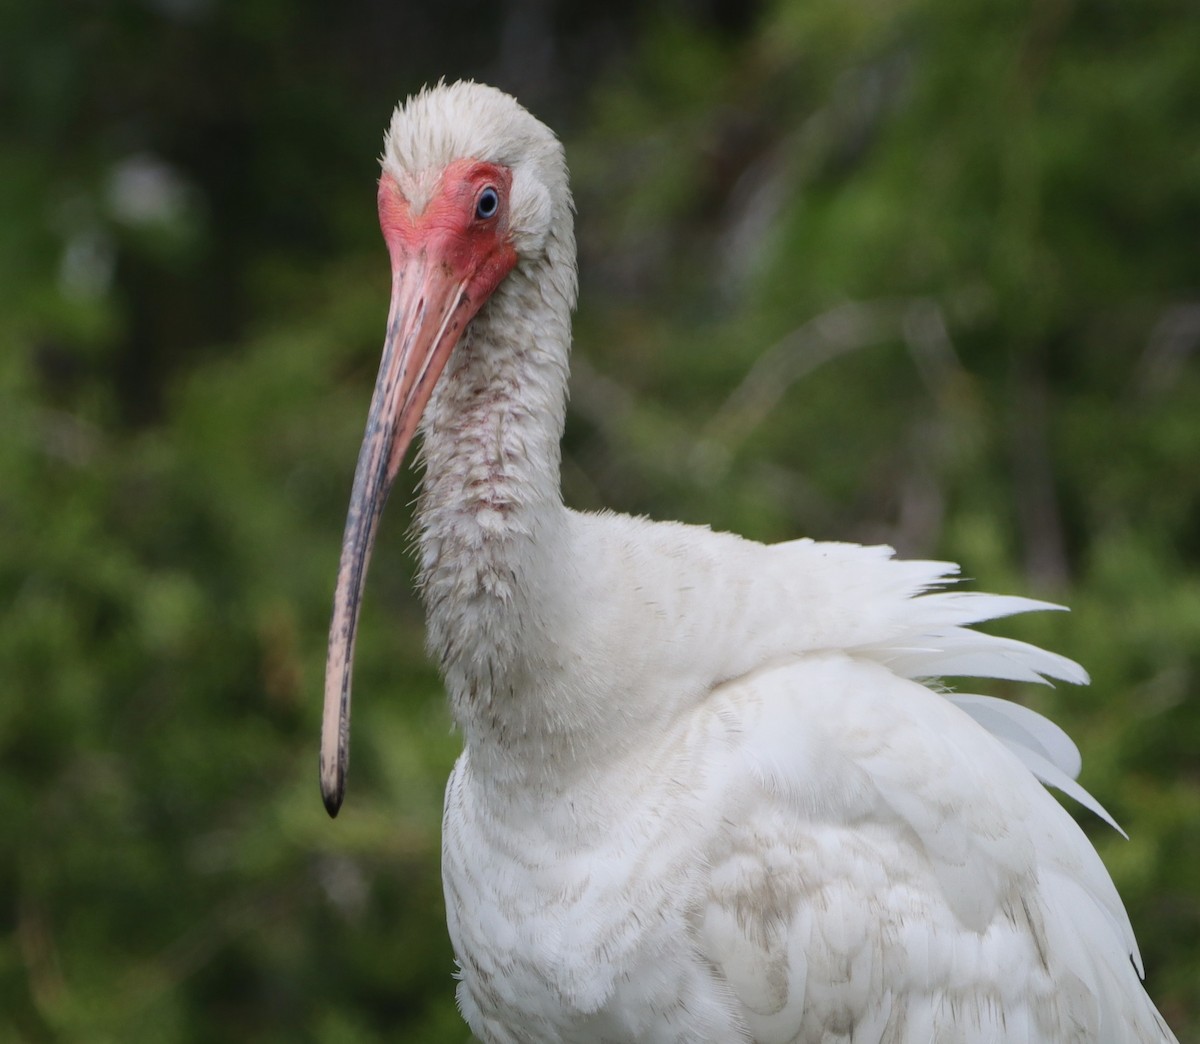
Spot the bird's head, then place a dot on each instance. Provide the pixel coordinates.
(444, 143)
(473, 188)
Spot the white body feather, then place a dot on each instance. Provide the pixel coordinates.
(704, 795)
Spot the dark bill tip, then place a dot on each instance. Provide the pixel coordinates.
(332, 796)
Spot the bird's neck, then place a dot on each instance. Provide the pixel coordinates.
(491, 523)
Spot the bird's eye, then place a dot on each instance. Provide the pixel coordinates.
(488, 204)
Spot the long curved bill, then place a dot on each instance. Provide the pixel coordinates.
(428, 312)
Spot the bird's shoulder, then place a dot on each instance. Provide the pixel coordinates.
(710, 606)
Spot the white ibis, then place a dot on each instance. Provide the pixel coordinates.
(704, 794)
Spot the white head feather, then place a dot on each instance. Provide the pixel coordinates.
(467, 120)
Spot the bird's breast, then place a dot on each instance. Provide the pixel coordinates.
(561, 905)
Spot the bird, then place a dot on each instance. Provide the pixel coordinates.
(710, 790)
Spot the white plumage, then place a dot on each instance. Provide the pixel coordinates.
(704, 795)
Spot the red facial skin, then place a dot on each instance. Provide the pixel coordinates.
(446, 262)
(448, 229)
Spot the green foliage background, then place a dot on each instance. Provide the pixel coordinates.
(923, 272)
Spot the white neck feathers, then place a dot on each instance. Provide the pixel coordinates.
(490, 519)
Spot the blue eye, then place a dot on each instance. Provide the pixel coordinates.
(489, 203)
